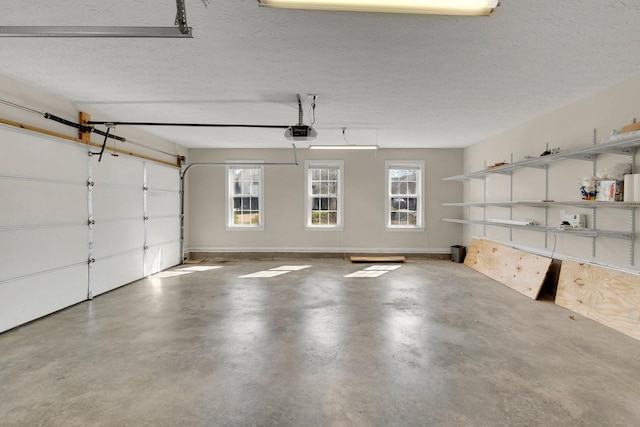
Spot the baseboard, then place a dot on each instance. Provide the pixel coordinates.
(217, 254)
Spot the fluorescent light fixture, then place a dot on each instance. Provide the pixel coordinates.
(428, 7)
(343, 147)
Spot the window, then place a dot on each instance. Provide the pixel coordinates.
(404, 195)
(245, 197)
(324, 194)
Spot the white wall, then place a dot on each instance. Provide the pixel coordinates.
(364, 225)
(567, 128)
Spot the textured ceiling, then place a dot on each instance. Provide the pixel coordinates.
(395, 80)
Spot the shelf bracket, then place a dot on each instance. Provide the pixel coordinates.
(511, 199)
(484, 200)
(632, 242)
(546, 208)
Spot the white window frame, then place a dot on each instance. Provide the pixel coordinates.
(315, 164)
(234, 165)
(405, 164)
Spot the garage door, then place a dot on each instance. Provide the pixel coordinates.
(43, 226)
(72, 228)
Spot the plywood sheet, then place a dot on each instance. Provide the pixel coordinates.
(378, 259)
(521, 271)
(607, 296)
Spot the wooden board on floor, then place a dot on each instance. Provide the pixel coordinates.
(605, 295)
(193, 261)
(378, 259)
(521, 271)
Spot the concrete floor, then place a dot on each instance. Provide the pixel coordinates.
(430, 344)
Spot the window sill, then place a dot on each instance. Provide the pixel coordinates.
(336, 228)
(240, 228)
(406, 229)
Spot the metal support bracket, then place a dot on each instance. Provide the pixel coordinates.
(182, 30)
(181, 17)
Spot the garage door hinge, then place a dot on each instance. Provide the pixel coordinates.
(91, 221)
(145, 188)
(91, 261)
(146, 248)
(146, 218)
(90, 183)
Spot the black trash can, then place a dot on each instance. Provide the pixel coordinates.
(458, 253)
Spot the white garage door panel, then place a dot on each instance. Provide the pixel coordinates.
(163, 210)
(112, 238)
(162, 230)
(118, 234)
(27, 251)
(27, 154)
(117, 202)
(113, 272)
(163, 203)
(123, 170)
(162, 257)
(162, 177)
(38, 202)
(43, 216)
(32, 297)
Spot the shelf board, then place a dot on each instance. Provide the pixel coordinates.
(621, 144)
(532, 203)
(588, 232)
